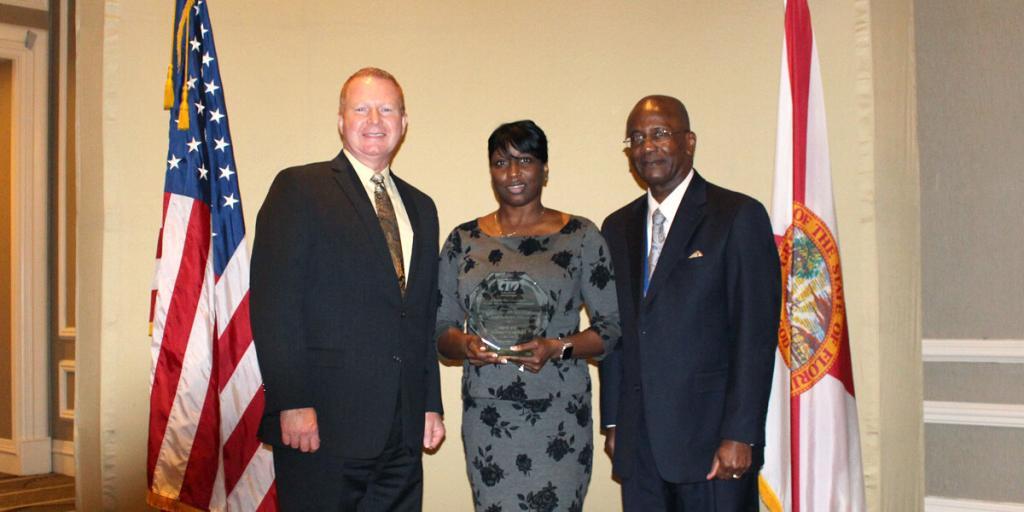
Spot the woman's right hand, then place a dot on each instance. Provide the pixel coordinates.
(477, 352)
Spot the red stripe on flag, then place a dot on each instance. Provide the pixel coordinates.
(842, 370)
(177, 327)
(794, 448)
(163, 219)
(242, 443)
(798, 47)
(234, 342)
(269, 503)
(201, 472)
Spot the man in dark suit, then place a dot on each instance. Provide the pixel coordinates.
(344, 287)
(684, 400)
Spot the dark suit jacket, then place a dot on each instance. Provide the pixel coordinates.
(331, 328)
(697, 351)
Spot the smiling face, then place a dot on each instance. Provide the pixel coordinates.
(662, 164)
(517, 177)
(372, 120)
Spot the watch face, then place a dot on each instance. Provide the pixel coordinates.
(567, 352)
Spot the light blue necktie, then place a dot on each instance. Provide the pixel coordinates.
(657, 242)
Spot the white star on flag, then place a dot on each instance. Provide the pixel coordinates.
(193, 145)
(230, 201)
(195, 44)
(202, 28)
(226, 172)
(202, 172)
(211, 87)
(174, 161)
(215, 115)
(221, 143)
(199, 107)
(207, 59)
(191, 83)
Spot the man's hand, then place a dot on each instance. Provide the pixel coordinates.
(731, 460)
(433, 430)
(609, 442)
(299, 429)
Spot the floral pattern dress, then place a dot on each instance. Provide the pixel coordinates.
(528, 438)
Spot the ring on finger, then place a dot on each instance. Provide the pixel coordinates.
(735, 476)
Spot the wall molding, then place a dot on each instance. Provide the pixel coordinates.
(972, 351)
(30, 347)
(940, 504)
(974, 414)
(64, 457)
(25, 456)
(65, 407)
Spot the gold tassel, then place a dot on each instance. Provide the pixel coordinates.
(183, 108)
(169, 88)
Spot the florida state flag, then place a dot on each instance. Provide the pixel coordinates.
(812, 450)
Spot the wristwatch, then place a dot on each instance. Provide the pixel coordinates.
(566, 350)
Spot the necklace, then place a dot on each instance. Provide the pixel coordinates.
(501, 232)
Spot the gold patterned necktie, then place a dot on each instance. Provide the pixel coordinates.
(389, 224)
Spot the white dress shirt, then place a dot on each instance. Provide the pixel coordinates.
(404, 225)
(668, 208)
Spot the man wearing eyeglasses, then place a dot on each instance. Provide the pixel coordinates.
(684, 399)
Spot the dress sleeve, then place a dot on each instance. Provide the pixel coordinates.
(598, 288)
(450, 310)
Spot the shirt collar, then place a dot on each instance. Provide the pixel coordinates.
(364, 172)
(671, 204)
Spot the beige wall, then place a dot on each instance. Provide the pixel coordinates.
(576, 68)
(6, 123)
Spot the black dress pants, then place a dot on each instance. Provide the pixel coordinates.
(319, 481)
(646, 491)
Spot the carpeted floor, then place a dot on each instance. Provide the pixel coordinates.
(38, 493)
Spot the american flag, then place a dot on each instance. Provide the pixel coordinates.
(206, 396)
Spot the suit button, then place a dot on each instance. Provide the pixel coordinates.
(643, 333)
(396, 359)
(636, 389)
(403, 313)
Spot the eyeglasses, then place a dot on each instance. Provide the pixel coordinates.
(658, 136)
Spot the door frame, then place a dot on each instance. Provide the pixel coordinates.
(29, 451)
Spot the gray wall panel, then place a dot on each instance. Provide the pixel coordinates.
(981, 463)
(970, 112)
(968, 382)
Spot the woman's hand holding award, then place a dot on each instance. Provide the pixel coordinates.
(506, 309)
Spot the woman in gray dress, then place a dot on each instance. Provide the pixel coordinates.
(526, 425)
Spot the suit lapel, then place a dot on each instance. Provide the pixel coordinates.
(348, 180)
(635, 234)
(686, 221)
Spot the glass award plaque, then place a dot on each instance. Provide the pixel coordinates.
(508, 308)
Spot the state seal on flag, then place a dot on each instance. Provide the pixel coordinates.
(813, 309)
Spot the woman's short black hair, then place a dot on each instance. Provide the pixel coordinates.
(525, 136)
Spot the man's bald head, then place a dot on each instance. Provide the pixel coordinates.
(670, 108)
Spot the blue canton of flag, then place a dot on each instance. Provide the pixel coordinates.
(200, 159)
(206, 395)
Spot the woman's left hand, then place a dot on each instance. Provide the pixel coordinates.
(541, 350)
